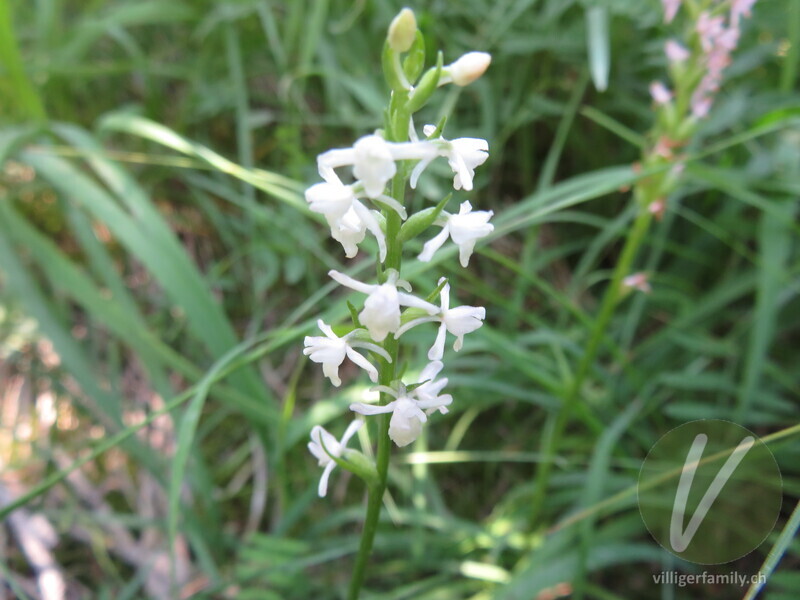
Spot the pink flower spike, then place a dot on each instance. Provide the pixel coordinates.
(670, 9)
(675, 52)
(660, 93)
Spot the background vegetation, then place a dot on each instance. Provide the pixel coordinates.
(151, 218)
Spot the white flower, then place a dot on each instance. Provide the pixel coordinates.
(465, 228)
(372, 160)
(409, 409)
(381, 314)
(320, 436)
(459, 321)
(331, 351)
(466, 69)
(347, 216)
(462, 154)
(350, 230)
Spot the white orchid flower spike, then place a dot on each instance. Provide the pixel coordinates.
(465, 228)
(459, 321)
(322, 440)
(381, 314)
(331, 351)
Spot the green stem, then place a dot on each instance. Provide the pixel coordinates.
(636, 235)
(386, 375)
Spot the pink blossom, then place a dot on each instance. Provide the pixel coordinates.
(709, 28)
(657, 208)
(728, 39)
(740, 8)
(670, 9)
(675, 52)
(701, 104)
(660, 93)
(637, 281)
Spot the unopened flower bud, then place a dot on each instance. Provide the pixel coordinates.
(402, 31)
(468, 68)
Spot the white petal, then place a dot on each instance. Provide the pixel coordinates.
(465, 250)
(331, 371)
(444, 295)
(374, 227)
(393, 204)
(322, 490)
(413, 323)
(316, 450)
(330, 199)
(437, 350)
(371, 409)
(420, 150)
(326, 329)
(432, 245)
(372, 348)
(436, 403)
(362, 362)
(353, 284)
(409, 300)
(406, 422)
(337, 157)
(350, 431)
(431, 370)
(463, 175)
(418, 169)
(464, 319)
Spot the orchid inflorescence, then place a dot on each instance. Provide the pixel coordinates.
(370, 200)
(695, 67)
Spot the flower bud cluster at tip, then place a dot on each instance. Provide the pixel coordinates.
(354, 199)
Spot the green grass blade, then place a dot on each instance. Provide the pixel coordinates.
(18, 86)
(776, 553)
